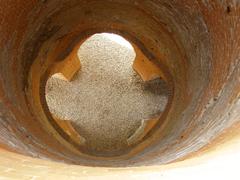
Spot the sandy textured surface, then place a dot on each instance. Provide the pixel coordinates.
(106, 100)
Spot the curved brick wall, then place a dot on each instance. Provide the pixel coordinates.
(195, 44)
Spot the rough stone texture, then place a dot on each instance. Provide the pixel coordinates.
(106, 100)
(195, 43)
